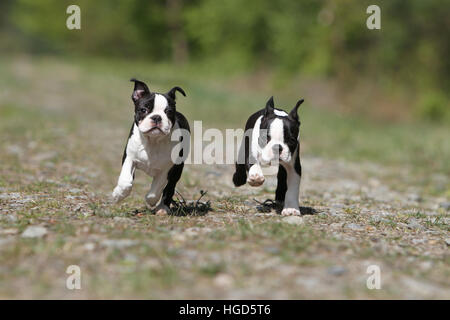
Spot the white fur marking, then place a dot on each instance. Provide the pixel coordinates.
(276, 131)
(256, 150)
(280, 113)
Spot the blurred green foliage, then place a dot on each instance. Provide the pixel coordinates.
(311, 37)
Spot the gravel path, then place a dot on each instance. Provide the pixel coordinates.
(355, 216)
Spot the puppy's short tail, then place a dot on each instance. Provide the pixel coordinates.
(240, 176)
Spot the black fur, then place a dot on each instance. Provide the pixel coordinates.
(245, 158)
(174, 173)
(172, 178)
(297, 164)
(280, 193)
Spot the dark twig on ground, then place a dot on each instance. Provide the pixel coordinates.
(269, 204)
(181, 207)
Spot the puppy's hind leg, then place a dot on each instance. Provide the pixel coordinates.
(294, 174)
(173, 176)
(280, 193)
(156, 189)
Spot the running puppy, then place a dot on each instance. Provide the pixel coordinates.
(150, 145)
(272, 134)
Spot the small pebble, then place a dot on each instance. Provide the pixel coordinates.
(414, 224)
(336, 270)
(272, 250)
(9, 231)
(89, 246)
(414, 197)
(34, 232)
(354, 227)
(223, 280)
(118, 243)
(296, 220)
(122, 220)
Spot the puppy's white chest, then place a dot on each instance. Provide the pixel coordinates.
(152, 158)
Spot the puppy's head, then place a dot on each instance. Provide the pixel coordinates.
(154, 112)
(279, 133)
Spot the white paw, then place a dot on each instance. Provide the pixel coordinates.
(120, 193)
(255, 179)
(152, 199)
(290, 212)
(162, 210)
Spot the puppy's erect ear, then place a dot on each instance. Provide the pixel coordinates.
(269, 107)
(293, 114)
(140, 90)
(172, 92)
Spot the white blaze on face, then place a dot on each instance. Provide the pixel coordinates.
(147, 123)
(276, 132)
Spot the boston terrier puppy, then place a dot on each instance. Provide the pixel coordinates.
(272, 135)
(150, 146)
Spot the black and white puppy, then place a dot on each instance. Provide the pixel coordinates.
(272, 135)
(150, 146)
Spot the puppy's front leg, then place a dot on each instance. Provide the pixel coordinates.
(291, 205)
(255, 175)
(125, 182)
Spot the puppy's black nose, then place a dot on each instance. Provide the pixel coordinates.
(277, 148)
(156, 118)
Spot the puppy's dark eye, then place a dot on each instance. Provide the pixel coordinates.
(143, 110)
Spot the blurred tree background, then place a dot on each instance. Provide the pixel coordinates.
(407, 58)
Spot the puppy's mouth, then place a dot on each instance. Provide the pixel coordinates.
(270, 162)
(154, 130)
(268, 157)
